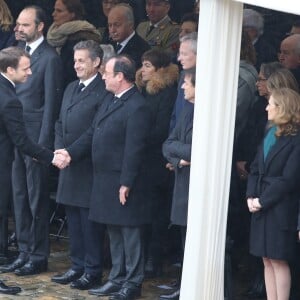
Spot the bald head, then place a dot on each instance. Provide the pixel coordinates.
(289, 55)
(120, 22)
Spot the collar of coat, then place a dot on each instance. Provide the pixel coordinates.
(161, 79)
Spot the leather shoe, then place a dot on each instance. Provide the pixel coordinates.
(126, 293)
(32, 268)
(107, 289)
(10, 290)
(85, 282)
(16, 264)
(67, 277)
(173, 296)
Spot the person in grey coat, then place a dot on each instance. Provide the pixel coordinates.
(177, 150)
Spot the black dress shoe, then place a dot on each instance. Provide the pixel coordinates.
(67, 277)
(126, 293)
(10, 290)
(173, 296)
(32, 268)
(16, 264)
(85, 282)
(109, 288)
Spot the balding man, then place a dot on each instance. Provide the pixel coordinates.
(289, 55)
(121, 31)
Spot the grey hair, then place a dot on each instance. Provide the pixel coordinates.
(192, 39)
(128, 11)
(93, 48)
(253, 19)
(108, 52)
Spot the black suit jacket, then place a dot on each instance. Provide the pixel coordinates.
(118, 140)
(41, 94)
(135, 48)
(76, 116)
(13, 133)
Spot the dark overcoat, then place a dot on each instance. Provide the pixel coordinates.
(13, 133)
(76, 116)
(118, 139)
(275, 182)
(177, 147)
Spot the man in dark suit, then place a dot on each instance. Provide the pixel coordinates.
(121, 31)
(118, 138)
(41, 99)
(14, 68)
(81, 101)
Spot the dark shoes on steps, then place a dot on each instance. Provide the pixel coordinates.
(173, 296)
(32, 268)
(67, 277)
(86, 281)
(16, 264)
(9, 290)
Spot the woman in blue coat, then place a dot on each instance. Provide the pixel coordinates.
(273, 192)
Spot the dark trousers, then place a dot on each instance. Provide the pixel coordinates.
(31, 207)
(127, 255)
(86, 241)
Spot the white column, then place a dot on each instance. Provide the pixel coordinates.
(217, 74)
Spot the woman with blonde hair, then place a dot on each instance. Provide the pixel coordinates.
(6, 26)
(273, 193)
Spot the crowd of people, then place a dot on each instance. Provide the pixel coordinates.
(112, 108)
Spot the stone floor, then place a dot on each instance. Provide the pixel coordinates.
(41, 287)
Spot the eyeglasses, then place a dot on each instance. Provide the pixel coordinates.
(259, 79)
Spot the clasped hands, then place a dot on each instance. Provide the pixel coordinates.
(61, 158)
(254, 205)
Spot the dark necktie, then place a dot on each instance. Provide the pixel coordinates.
(118, 47)
(80, 87)
(150, 29)
(114, 100)
(27, 49)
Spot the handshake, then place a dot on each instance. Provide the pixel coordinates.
(61, 158)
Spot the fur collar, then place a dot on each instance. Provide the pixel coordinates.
(161, 79)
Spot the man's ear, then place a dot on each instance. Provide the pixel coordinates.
(97, 62)
(41, 26)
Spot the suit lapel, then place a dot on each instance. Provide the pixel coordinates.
(78, 97)
(104, 113)
(37, 53)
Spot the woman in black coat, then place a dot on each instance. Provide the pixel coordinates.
(273, 192)
(157, 80)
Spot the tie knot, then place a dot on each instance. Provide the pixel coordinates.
(27, 49)
(80, 87)
(118, 47)
(150, 29)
